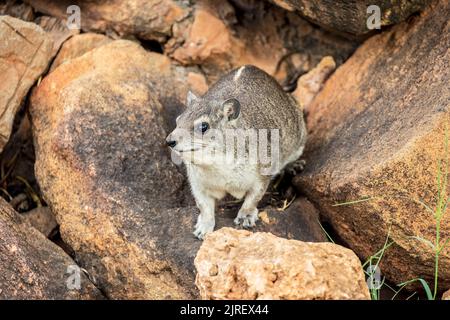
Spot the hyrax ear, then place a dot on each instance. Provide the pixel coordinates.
(191, 97)
(231, 109)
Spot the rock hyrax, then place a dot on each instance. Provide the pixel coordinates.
(234, 139)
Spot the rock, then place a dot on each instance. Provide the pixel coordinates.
(17, 9)
(238, 264)
(377, 129)
(208, 33)
(145, 19)
(23, 58)
(103, 168)
(57, 29)
(309, 84)
(446, 295)
(42, 219)
(77, 46)
(306, 227)
(33, 267)
(350, 17)
(197, 83)
(20, 201)
(279, 42)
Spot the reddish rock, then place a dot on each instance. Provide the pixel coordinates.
(238, 264)
(377, 129)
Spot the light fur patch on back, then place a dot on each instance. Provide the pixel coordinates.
(238, 73)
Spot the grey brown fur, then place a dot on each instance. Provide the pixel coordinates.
(246, 98)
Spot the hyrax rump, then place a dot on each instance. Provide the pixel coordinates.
(249, 106)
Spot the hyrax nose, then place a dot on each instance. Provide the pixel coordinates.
(171, 143)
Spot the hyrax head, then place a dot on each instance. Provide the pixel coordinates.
(200, 128)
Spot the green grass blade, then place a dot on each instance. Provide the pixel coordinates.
(424, 285)
(443, 246)
(325, 231)
(427, 242)
(353, 202)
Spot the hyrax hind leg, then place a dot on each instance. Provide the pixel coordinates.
(248, 214)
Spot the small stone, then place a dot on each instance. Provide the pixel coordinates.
(42, 219)
(310, 84)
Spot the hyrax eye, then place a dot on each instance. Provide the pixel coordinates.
(203, 127)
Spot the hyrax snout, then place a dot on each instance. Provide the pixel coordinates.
(234, 139)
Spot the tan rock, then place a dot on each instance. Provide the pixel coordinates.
(197, 83)
(446, 295)
(24, 56)
(77, 46)
(145, 19)
(350, 17)
(238, 264)
(309, 84)
(103, 168)
(35, 268)
(377, 129)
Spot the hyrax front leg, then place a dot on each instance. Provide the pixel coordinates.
(205, 220)
(248, 214)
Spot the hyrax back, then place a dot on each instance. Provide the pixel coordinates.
(264, 105)
(246, 99)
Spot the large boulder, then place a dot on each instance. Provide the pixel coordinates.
(23, 58)
(146, 19)
(377, 132)
(349, 16)
(35, 268)
(238, 264)
(103, 168)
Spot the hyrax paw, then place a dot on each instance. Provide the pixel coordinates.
(202, 228)
(296, 167)
(247, 219)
